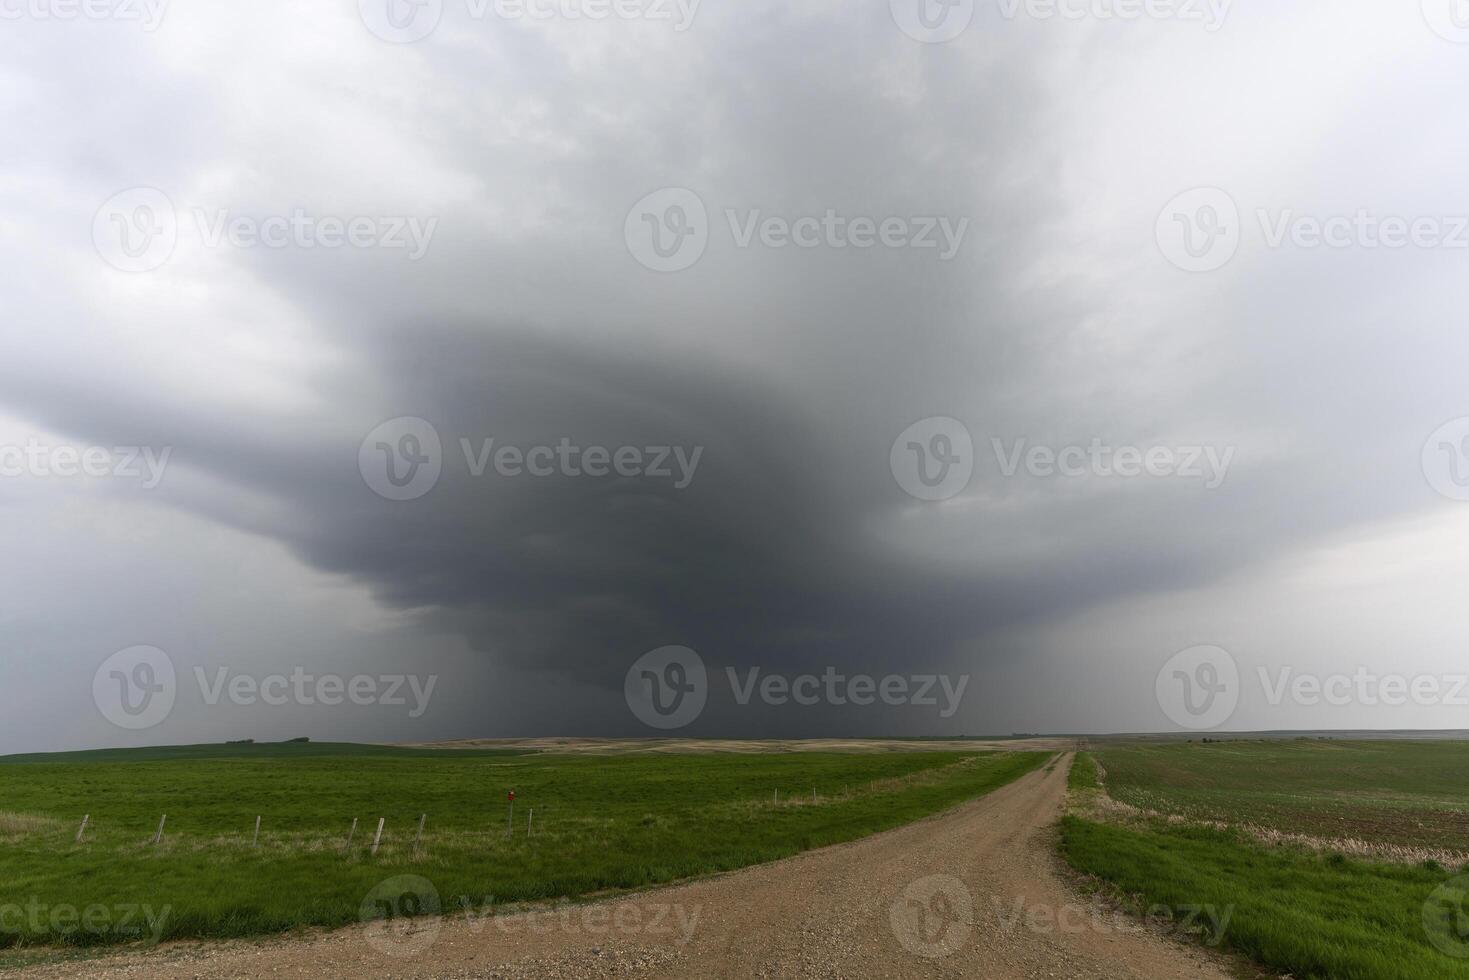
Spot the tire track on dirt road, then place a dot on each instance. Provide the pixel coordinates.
(971, 892)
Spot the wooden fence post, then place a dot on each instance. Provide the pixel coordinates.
(377, 839)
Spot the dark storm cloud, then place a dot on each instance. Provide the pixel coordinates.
(765, 558)
(792, 371)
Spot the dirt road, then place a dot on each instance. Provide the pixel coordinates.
(973, 892)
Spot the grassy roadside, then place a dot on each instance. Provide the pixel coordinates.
(1083, 774)
(1308, 915)
(609, 822)
(1295, 910)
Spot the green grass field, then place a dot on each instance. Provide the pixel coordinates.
(601, 822)
(1296, 910)
(1398, 792)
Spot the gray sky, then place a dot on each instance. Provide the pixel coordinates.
(1299, 511)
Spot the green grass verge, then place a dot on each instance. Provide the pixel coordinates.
(602, 822)
(1083, 773)
(1308, 915)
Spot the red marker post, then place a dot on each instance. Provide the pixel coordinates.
(510, 817)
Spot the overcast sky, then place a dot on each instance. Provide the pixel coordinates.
(254, 239)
